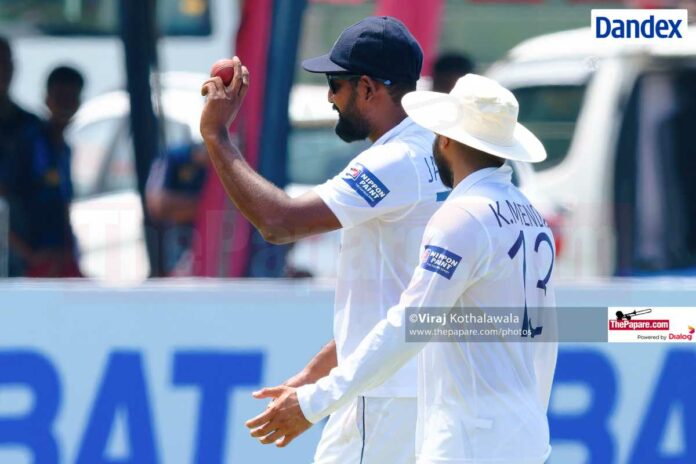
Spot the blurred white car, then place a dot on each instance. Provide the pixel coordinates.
(617, 121)
(107, 214)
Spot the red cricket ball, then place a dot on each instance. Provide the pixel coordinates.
(224, 69)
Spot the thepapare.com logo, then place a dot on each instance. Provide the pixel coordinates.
(639, 26)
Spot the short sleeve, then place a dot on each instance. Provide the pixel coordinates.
(381, 180)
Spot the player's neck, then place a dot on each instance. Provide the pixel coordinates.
(387, 123)
(462, 170)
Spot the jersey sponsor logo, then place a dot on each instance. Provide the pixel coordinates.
(366, 184)
(440, 261)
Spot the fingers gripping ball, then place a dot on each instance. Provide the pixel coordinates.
(224, 69)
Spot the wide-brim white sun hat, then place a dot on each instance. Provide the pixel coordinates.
(480, 113)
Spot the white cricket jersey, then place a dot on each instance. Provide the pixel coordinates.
(477, 401)
(383, 200)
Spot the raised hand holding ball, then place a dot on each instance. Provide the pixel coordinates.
(225, 91)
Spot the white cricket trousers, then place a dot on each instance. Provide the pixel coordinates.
(370, 431)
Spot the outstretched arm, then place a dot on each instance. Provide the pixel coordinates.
(385, 349)
(279, 218)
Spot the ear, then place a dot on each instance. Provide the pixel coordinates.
(369, 86)
(444, 142)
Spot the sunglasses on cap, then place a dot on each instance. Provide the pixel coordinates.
(350, 77)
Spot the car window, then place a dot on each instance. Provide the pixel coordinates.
(91, 145)
(177, 133)
(103, 155)
(120, 172)
(654, 211)
(316, 154)
(551, 113)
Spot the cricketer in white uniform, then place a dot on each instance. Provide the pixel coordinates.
(383, 200)
(487, 246)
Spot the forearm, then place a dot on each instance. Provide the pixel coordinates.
(262, 203)
(320, 366)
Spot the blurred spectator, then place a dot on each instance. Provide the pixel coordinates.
(18, 130)
(449, 67)
(172, 198)
(36, 181)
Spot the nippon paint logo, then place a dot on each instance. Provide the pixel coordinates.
(639, 26)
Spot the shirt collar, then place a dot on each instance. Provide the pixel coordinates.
(501, 174)
(394, 131)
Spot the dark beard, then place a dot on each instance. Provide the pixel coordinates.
(443, 169)
(351, 127)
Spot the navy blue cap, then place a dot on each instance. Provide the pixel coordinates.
(377, 46)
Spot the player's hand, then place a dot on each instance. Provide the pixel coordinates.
(223, 102)
(282, 421)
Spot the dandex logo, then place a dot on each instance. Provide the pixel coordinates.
(639, 26)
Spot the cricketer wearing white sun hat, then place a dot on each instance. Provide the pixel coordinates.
(477, 402)
(480, 113)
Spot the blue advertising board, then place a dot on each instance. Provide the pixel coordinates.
(163, 373)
